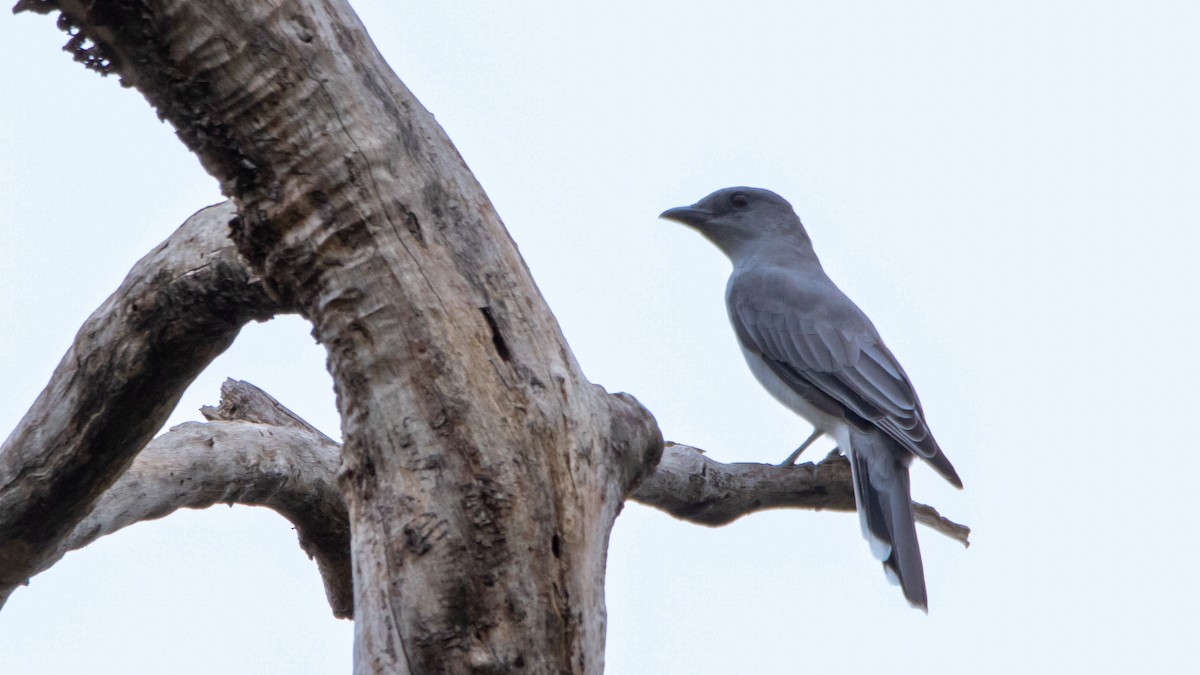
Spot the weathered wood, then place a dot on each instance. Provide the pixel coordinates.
(482, 471)
(195, 465)
(244, 402)
(179, 308)
(693, 487)
(257, 452)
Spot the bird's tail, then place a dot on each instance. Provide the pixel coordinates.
(881, 491)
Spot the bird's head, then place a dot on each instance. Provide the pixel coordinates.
(739, 219)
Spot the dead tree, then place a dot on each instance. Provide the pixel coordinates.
(464, 523)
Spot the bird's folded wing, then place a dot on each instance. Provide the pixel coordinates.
(847, 363)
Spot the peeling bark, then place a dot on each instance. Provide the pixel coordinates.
(179, 308)
(257, 452)
(481, 473)
(481, 470)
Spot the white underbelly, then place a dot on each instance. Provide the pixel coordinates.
(834, 427)
(788, 397)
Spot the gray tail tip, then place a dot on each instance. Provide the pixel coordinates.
(914, 590)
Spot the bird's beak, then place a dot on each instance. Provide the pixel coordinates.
(688, 215)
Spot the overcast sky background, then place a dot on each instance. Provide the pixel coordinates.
(1010, 190)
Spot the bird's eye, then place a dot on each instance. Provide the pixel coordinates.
(739, 200)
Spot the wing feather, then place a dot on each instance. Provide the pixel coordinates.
(840, 355)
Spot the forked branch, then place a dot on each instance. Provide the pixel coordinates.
(180, 307)
(256, 452)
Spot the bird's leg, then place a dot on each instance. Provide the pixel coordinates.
(809, 441)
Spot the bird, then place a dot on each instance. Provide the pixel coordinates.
(818, 354)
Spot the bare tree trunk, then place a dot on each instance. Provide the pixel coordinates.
(482, 472)
(256, 452)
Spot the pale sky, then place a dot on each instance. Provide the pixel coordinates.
(1008, 189)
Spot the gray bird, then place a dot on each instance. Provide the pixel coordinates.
(817, 353)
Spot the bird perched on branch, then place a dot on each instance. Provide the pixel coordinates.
(817, 353)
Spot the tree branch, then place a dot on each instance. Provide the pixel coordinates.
(482, 471)
(197, 465)
(690, 486)
(179, 307)
(256, 452)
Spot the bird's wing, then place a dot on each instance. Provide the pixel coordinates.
(812, 336)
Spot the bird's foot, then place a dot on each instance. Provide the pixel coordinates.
(791, 460)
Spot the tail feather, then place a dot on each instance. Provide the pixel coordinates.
(883, 497)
